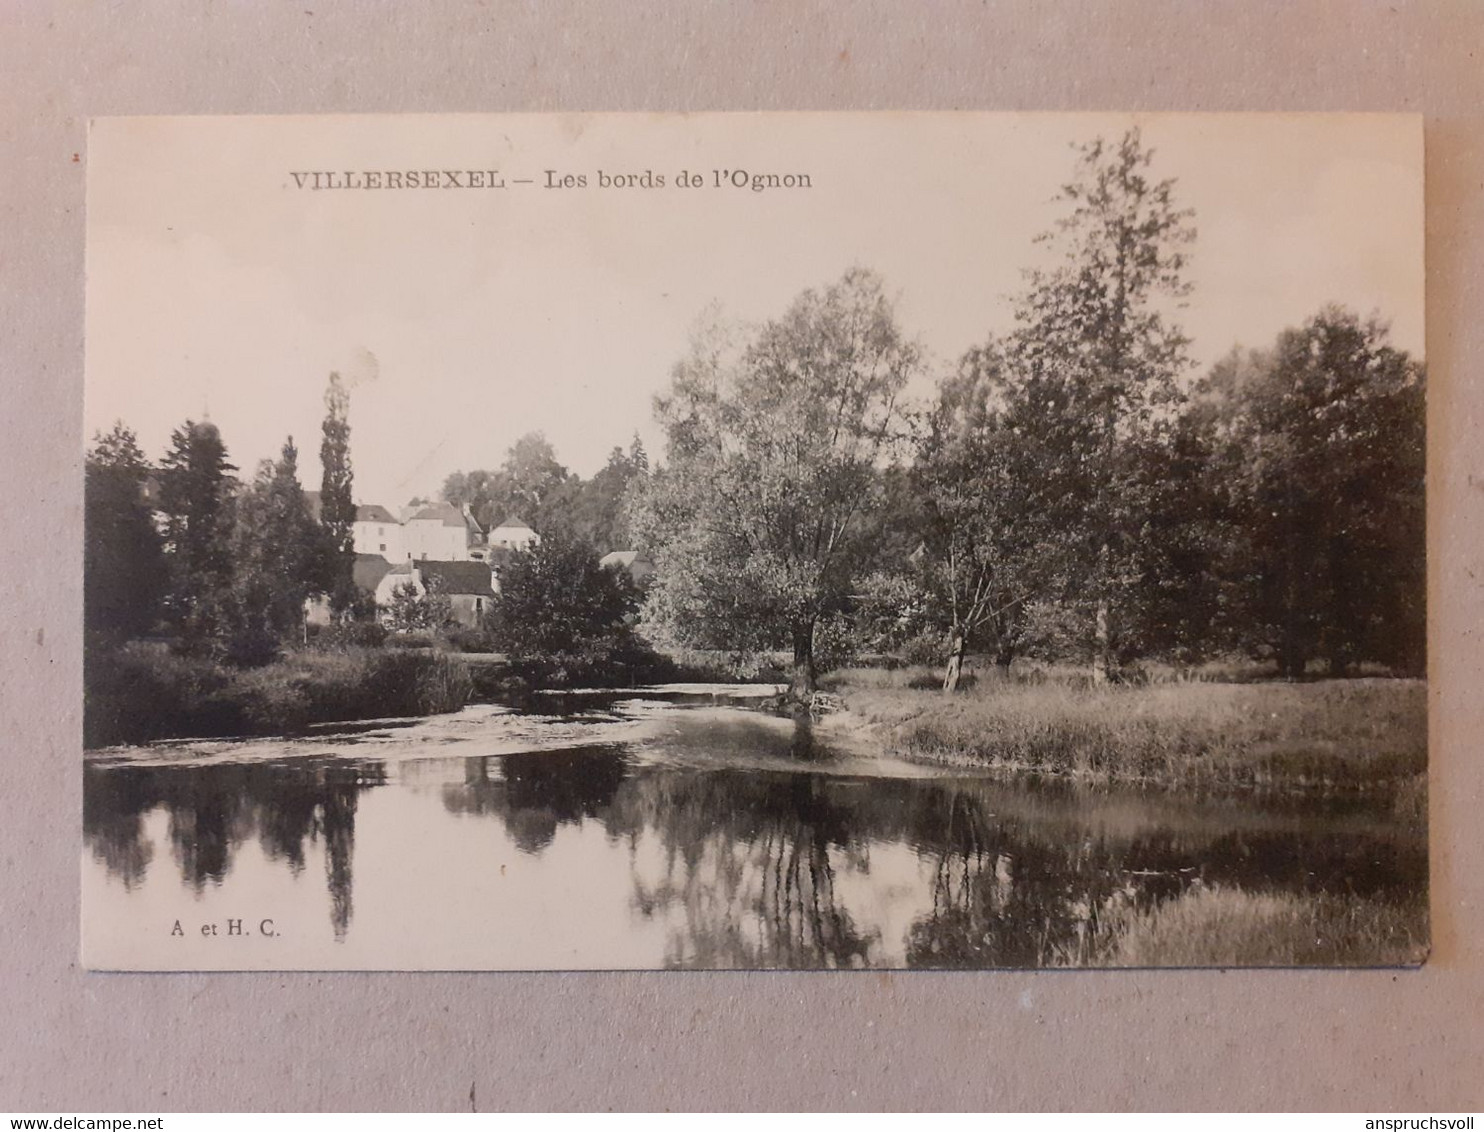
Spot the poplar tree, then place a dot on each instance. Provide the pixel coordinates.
(337, 504)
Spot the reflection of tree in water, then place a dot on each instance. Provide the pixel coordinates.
(214, 809)
(535, 792)
(1013, 892)
(1005, 895)
(751, 859)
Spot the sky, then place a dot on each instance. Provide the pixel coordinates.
(464, 318)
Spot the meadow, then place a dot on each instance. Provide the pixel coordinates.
(1367, 734)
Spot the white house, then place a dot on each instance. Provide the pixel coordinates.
(378, 532)
(513, 534)
(441, 532)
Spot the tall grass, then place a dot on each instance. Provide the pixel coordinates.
(1220, 927)
(1337, 734)
(141, 692)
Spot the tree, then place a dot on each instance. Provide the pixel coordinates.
(774, 446)
(196, 497)
(595, 511)
(123, 565)
(984, 540)
(1324, 445)
(557, 605)
(531, 485)
(415, 608)
(1097, 363)
(337, 503)
(276, 550)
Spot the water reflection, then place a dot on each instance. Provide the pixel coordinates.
(750, 842)
(213, 810)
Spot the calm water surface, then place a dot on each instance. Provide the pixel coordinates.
(664, 830)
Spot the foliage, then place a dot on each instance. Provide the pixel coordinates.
(775, 442)
(1095, 363)
(123, 563)
(417, 607)
(1321, 443)
(530, 485)
(139, 692)
(987, 547)
(275, 555)
(337, 502)
(196, 498)
(559, 609)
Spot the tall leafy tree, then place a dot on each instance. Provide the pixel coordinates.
(337, 503)
(985, 549)
(196, 498)
(775, 442)
(275, 549)
(1098, 358)
(123, 565)
(1324, 444)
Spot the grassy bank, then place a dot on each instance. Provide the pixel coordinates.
(142, 692)
(1336, 735)
(1221, 927)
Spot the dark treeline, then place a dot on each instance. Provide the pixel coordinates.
(221, 566)
(1074, 491)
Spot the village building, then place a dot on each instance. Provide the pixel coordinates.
(638, 564)
(377, 531)
(441, 532)
(367, 573)
(470, 586)
(513, 534)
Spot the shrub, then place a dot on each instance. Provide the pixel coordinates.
(351, 634)
(138, 693)
(462, 638)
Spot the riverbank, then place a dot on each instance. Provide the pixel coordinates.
(1341, 736)
(142, 692)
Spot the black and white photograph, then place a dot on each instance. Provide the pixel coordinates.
(755, 541)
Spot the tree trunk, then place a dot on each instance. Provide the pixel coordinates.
(956, 644)
(1004, 656)
(1100, 643)
(803, 685)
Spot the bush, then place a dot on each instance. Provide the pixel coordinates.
(351, 634)
(461, 638)
(140, 693)
(410, 641)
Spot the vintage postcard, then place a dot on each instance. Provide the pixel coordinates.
(754, 541)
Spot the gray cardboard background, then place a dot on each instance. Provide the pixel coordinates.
(72, 1041)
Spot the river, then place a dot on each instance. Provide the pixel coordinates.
(673, 828)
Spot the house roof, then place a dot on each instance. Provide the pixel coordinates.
(368, 571)
(620, 558)
(373, 513)
(445, 513)
(514, 523)
(459, 577)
